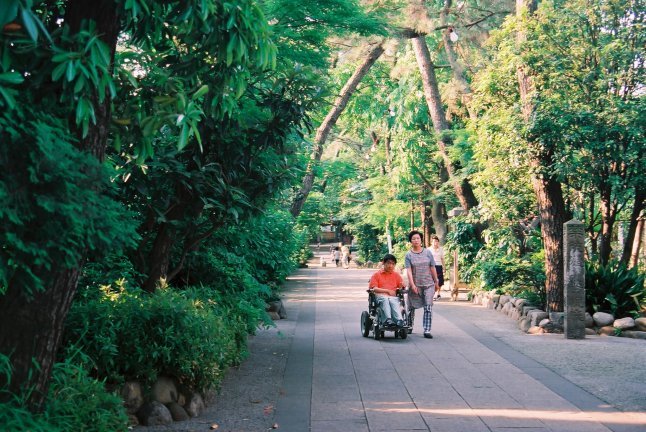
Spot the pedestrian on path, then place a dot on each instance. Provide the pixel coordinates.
(345, 256)
(438, 256)
(385, 283)
(422, 278)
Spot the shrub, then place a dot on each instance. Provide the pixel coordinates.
(613, 288)
(140, 336)
(513, 275)
(76, 402)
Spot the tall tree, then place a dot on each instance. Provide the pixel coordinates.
(549, 194)
(462, 187)
(328, 123)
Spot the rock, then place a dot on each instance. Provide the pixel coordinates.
(589, 322)
(558, 318)
(524, 324)
(590, 332)
(164, 390)
(504, 299)
(282, 313)
(273, 306)
(132, 396)
(528, 308)
(535, 330)
(133, 420)
(606, 330)
(624, 323)
(177, 412)
(519, 303)
(537, 316)
(516, 314)
(195, 405)
(634, 334)
(552, 327)
(640, 324)
(154, 414)
(602, 319)
(544, 322)
(273, 315)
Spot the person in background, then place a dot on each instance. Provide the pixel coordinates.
(345, 256)
(385, 283)
(422, 278)
(438, 256)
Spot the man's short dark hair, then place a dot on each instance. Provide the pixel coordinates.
(389, 257)
(412, 233)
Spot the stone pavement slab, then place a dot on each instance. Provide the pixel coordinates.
(470, 377)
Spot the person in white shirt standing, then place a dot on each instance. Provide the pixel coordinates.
(438, 257)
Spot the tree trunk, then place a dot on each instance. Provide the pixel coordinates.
(425, 215)
(330, 120)
(462, 188)
(36, 322)
(32, 332)
(549, 194)
(608, 216)
(592, 235)
(438, 213)
(630, 253)
(637, 243)
(456, 68)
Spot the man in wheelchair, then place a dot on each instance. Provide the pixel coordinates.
(385, 283)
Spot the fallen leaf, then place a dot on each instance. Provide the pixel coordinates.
(268, 409)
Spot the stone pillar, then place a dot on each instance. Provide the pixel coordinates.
(574, 283)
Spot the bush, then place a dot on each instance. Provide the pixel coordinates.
(613, 288)
(513, 275)
(138, 336)
(76, 402)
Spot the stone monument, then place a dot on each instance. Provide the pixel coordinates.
(574, 279)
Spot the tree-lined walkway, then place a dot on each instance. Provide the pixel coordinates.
(468, 378)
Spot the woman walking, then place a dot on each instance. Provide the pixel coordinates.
(438, 256)
(422, 278)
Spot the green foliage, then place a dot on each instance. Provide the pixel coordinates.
(370, 244)
(513, 275)
(76, 402)
(81, 403)
(302, 29)
(192, 335)
(56, 203)
(462, 237)
(614, 289)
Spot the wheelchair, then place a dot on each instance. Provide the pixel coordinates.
(370, 321)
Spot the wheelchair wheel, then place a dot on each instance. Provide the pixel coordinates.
(377, 333)
(366, 323)
(403, 333)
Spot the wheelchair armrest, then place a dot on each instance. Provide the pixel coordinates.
(401, 291)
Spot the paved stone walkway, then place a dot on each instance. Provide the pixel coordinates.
(468, 378)
(315, 372)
